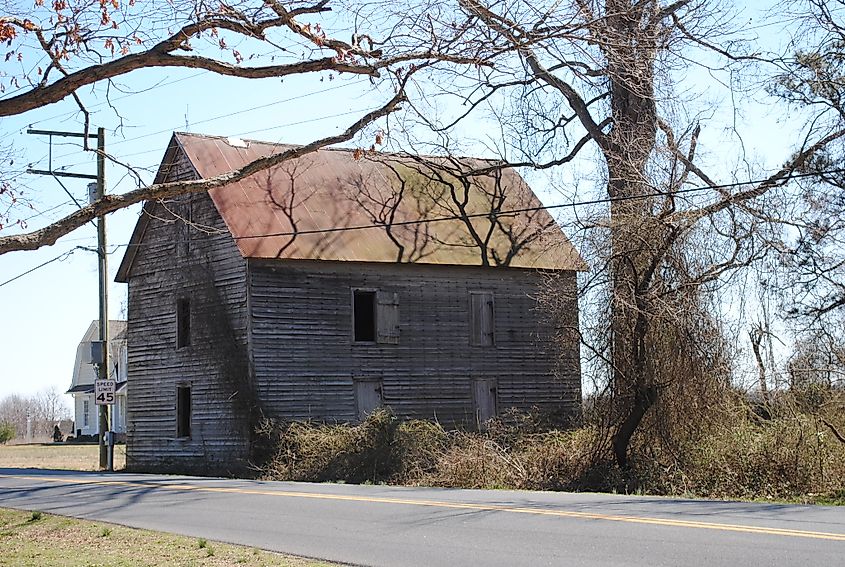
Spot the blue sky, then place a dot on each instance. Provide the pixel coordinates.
(47, 312)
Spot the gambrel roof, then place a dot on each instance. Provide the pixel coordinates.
(349, 205)
(84, 373)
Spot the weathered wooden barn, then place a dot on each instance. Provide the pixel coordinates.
(332, 284)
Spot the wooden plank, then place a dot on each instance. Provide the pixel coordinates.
(200, 261)
(387, 314)
(301, 325)
(278, 335)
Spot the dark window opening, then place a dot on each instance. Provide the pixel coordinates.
(364, 315)
(183, 411)
(183, 322)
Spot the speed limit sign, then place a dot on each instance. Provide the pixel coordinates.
(104, 392)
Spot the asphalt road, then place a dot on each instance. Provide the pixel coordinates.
(394, 526)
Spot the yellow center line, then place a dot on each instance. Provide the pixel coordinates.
(452, 505)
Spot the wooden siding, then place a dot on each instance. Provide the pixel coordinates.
(177, 260)
(278, 336)
(306, 362)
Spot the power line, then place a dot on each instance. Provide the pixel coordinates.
(243, 111)
(308, 121)
(510, 212)
(222, 116)
(154, 166)
(605, 200)
(228, 115)
(70, 113)
(62, 256)
(44, 212)
(488, 214)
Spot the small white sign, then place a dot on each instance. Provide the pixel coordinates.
(104, 392)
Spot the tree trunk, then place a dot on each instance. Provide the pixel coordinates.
(644, 398)
(630, 49)
(756, 335)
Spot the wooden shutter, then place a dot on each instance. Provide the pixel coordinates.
(481, 318)
(368, 396)
(387, 312)
(485, 397)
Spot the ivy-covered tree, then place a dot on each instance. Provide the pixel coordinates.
(597, 78)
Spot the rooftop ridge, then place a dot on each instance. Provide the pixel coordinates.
(339, 149)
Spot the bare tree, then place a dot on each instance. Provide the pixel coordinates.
(811, 279)
(756, 336)
(596, 76)
(36, 414)
(818, 359)
(813, 82)
(78, 43)
(15, 410)
(49, 407)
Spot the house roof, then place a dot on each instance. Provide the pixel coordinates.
(83, 372)
(334, 204)
(89, 388)
(117, 331)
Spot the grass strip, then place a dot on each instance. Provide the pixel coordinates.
(63, 456)
(37, 539)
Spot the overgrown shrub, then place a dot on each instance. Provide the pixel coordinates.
(790, 454)
(510, 454)
(7, 432)
(359, 453)
(735, 455)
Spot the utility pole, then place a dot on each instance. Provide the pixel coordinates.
(106, 445)
(106, 442)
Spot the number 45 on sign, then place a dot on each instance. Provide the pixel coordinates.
(104, 392)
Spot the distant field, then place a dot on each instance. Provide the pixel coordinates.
(65, 456)
(33, 539)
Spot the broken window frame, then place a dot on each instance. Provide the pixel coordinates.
(184, 411)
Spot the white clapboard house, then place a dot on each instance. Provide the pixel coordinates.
(86, 420)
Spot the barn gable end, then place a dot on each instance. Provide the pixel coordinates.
(175, 265)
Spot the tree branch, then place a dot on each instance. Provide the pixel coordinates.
(69, 84)
(162, 55)
(576, 102)
(833, 430)
(781, 176)
(110, 203)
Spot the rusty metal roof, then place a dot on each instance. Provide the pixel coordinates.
(313, 208)
(336, 204)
